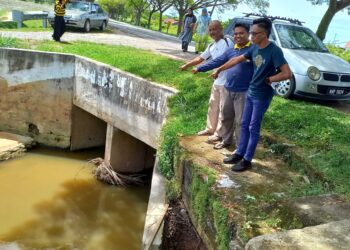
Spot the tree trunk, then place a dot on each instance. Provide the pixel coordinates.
(149, 19)
(160, 20)
(325, 21)
(138, 18)
(181, 17)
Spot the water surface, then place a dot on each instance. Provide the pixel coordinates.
(50, 200)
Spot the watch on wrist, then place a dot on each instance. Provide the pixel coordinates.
(267, 80)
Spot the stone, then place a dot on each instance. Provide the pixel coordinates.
(330, 236)
(315, 210)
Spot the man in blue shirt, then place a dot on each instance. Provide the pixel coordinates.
(269, 66)
(236, 85)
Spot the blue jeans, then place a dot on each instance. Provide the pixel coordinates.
(253, 114)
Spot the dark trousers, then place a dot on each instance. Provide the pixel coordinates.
(253, 114)
(185, 45)
(59, 28)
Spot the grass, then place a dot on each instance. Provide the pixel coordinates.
(321, 134)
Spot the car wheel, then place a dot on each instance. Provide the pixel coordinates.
(87, 26)
(103, 26)
(286, 88)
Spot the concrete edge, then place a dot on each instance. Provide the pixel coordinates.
(157, 207)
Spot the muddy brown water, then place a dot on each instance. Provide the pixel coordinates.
(50, 200)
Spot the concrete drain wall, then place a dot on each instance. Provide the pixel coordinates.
(73, 102)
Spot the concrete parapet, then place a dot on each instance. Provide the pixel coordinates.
(129, 103)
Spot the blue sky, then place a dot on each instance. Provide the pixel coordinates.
(338, 31)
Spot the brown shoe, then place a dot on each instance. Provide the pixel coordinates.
(213, 138)
(221, 145)
(204, 132)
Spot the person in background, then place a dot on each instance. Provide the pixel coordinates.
(270, 66)
(214, 50)
(202, 31)
(59, 24)
(236, 85)
(188, 29)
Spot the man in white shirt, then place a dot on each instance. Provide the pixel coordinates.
(214, 50)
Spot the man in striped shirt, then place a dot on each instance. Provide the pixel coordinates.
(59, 25)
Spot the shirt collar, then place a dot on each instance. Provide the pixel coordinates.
(246, 45)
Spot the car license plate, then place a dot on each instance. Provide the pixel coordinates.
(335, 91)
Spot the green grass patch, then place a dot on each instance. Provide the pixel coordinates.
(321, 134)
(8, 25)
(8, 42)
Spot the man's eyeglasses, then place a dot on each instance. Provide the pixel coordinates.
(255, 33)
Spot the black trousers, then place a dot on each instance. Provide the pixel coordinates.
(59, 28)
(184, 45)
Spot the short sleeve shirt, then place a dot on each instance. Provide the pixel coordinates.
(266, 62)
(215, 50)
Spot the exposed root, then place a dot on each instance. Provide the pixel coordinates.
(104, 172)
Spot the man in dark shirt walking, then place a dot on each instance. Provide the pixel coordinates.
(59, 25)
(269, 66)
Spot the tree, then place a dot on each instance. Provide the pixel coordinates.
(139, 7)
(152, 9)
(162, 6)
(334, 6)
(115, 8)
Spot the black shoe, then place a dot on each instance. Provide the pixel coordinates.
(241, 166)
(232, 159)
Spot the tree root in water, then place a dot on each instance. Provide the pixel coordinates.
(104, 172)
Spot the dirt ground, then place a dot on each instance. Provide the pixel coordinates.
(179, 233)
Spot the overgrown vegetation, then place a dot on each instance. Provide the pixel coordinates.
(206, 205)
(8, 42)
(345, 54)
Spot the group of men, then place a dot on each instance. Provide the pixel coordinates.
(245, 73)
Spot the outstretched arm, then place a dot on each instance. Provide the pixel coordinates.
(193, 62)
(232, 62)
(212, 64)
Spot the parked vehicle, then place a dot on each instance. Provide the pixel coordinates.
(83, 15)
(316, 72)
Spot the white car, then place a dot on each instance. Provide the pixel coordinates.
(83, 15)
(316, 72)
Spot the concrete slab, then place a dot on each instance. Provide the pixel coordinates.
(156, 210)
(330, 236)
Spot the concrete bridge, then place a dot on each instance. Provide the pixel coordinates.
(68, 101)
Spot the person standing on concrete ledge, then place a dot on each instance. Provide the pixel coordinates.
(236, 85)
(214, 50)
(270, 66)
(59, 24)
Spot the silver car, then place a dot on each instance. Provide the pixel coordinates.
(83, 15)
(316, 72)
